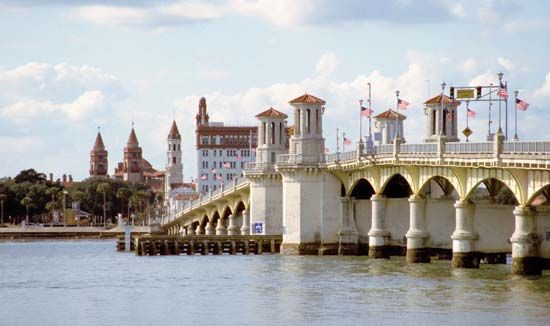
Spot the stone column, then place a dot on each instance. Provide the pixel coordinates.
(525, 243)
(198, 229)
(190, 230)
(417, 235)
(209, 229)
(220, 228)
(232, 229)
(464, 237)
(245, 229)
(348, 234)
(378, 235)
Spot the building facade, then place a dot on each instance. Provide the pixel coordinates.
(98, 158)
(222, 151)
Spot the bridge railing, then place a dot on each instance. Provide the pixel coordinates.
(469, 148)
(526, 147)
(292, 159)
(383, 149)
(427, 148)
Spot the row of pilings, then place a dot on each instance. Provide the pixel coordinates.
(164, 245)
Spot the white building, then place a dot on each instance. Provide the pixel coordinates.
(385, 126)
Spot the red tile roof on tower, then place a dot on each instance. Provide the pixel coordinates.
(307, 98)
(446, 100)
(174, 132)
(98, 145)
(390, 114)
(271, 112)
(132, 139)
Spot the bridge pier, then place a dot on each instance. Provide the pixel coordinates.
(220, 228)
(417, 236)
(348, 234)
(232, 229)
(464, 237)
(525, 243)
(245, 229)
(378, 235)
(209, 229)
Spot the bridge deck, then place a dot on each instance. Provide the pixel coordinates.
(152, 245)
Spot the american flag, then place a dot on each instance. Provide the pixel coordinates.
(471, 113)
(214, 170)
(219, 177)
(502, 91)
(402, 104)
(327, 150)
(366, 112)
(347, 141)
(521, 105)
(238, 157)
(204, 177)
(226, 165)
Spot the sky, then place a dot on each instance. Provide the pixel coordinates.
(69, 67)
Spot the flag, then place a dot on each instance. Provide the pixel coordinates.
(402, 104)
(219, 177)
(366, 112)
(471, 113)
(214, 170)
(347, 141)
(327, 150)
(521, 105)
(502, 91)
(204, 177)
(238, 157)
(226, 165)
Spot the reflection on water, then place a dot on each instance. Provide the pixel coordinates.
(88, 283)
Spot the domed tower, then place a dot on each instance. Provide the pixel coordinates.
(98, 158)
(174, 166)
(441, 119)
(271, 136)
(307, 142)
(202, 117)
(133, 169)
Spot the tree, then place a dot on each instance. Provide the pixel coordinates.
(132, 202)
(53, 191)
(124, 194)
(78, 196)
(27, 202)
(3, 198)
(31, 176)
(103, 188)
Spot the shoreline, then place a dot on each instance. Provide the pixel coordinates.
(14, 234)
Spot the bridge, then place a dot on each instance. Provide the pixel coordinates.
(471, 202)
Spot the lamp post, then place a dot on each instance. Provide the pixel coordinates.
(64, 206)
(516, 138)
(397, 115)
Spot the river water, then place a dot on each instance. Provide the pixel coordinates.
(89, 283)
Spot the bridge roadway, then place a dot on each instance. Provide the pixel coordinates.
(455, 218)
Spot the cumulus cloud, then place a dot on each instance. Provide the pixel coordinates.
(506, 63)
(327, 64)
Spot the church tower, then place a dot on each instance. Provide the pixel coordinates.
(174, 166)
(98, 158)
(133, 169)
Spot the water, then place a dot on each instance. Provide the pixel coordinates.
(89, 283)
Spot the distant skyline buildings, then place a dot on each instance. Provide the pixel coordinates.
(94, 63)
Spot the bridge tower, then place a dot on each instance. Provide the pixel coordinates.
(311, 216)
(441, 119)
(266, 189)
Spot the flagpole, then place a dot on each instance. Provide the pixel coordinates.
(506, 112)
(490, 106)
(500, 74)
(337, 144)
(467, 117)
(370, 112)
(516, 117)
(441, 109)
(360, 121)
(397, 115)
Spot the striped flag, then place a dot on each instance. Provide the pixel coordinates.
(471, 113)
(502, 91)
(226, 165)
(366, 112)
(204, 177)
(219, 177)
(521, 105)
(402, 104)
(347, 141)
(214, 170)
(327, 150)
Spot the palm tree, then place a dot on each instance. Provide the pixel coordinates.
(124, 194)
(27, 202)
(53, 191)
(103, 188)
(132, 202)
(3, 198)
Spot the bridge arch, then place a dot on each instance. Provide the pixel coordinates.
(388, 173)
(397, 186)
(446, 186)
(494, 188)
(427, 174)
(540, 196)
(202, 222)
(361, 189)
(477, 176)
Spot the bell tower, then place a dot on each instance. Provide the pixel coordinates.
(133, 166)
(307, 142)
(98, 158)
(174, 165)
(441, 119)
(202, 117)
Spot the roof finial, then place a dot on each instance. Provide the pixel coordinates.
(98, 128)
(132, 123)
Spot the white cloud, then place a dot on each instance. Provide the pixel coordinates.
(327, 64)
(544, 89)
(506, 63)
(469, 65)
(212, 73)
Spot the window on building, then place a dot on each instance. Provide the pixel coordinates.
(308, 117)
(173, 160)
(242, 165)
(179, 147)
